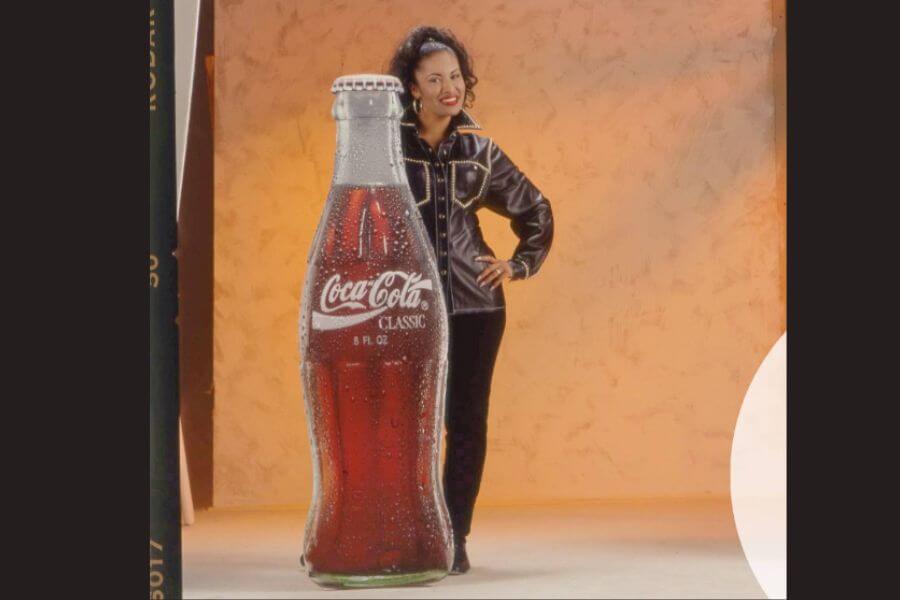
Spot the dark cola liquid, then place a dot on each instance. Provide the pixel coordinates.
(373, 340)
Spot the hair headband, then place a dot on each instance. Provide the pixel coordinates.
(433, 45)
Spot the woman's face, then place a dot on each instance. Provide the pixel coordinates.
(439, 84)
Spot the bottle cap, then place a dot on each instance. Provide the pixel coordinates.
(366, 82)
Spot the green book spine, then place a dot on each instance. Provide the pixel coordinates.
(165, 510)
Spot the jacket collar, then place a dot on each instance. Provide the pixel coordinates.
(461, 121)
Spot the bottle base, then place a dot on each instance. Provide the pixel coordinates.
(382, 580)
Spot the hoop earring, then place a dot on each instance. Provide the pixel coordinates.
(417, 105)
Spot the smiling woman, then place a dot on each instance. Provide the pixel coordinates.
(438, 90)
(453, 175)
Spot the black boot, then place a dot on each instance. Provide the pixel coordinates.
(460, 558)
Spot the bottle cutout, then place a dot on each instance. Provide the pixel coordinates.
(373, 345)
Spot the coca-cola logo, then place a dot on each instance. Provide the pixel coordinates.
(367, 298)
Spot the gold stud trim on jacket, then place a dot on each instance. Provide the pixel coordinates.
(484, 181)
(472, 124)
(424, 164)
(525, 265)
(467, 121)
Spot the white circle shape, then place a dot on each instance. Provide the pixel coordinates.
(759, 472)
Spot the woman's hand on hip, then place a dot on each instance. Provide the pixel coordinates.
(495, 273)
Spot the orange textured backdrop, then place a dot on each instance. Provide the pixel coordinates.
(650, 126)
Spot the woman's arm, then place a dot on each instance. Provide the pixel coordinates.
(512, 195)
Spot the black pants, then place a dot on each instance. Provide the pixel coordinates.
(474, 341)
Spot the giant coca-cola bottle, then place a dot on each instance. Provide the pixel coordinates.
(373, 331)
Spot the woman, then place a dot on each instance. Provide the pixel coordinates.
(453, 175)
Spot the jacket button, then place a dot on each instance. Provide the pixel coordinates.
(441, 216)
(443, 234)
(443, 271)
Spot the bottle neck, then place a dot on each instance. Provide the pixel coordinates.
(369, 152)
(368, 149)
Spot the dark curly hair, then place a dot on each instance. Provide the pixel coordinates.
(419, 43)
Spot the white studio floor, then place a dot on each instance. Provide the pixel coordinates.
(579, 550)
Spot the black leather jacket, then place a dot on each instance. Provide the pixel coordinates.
(469, 172)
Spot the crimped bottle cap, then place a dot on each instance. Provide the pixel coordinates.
(366, 82)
